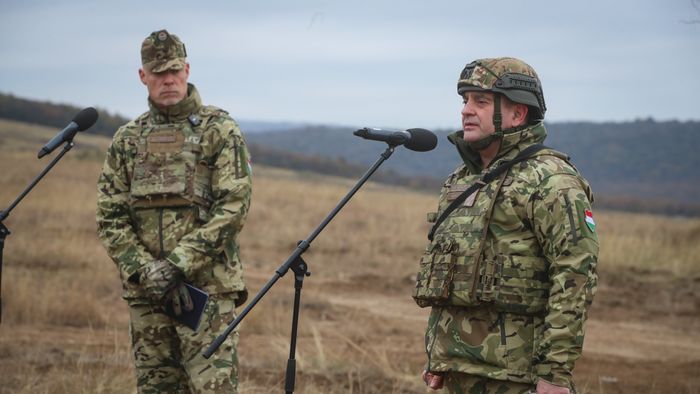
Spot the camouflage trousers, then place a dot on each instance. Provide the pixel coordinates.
(168, 356)
(462, 383)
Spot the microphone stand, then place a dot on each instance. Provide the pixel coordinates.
(4, 231)
(300, 269)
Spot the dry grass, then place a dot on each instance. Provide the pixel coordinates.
(650, 242)
(64, 327)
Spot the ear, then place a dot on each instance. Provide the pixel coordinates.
(142, 76)
(520, 114)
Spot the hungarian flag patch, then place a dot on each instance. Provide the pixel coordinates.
(589, 220)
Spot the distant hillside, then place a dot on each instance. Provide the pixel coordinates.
(642, 166)
(56, 115)
(645, 158)
(645, 165)
(642, 159)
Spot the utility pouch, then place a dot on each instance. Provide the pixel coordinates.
(435, 272)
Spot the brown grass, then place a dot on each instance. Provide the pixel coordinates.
(64, 326)
(650, 242)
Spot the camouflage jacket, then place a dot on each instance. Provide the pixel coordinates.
(176, 186)
(511, 273)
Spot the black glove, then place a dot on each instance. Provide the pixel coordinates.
(180, 298)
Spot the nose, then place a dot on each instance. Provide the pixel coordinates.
(467, 109)
(169, 77)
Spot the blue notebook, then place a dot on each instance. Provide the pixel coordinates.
(190, 318)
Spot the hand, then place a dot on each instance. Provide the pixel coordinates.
(180, 298)
(544, 387)
(434, 381)
(158, 278)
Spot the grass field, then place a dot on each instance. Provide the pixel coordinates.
(65, 329)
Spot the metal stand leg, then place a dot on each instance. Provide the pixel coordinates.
(300, 269)
(4, 232)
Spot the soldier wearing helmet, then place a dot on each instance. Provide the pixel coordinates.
(510, 269)
(173, 195)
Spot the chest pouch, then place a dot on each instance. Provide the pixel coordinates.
(435, 272)
(168, 171)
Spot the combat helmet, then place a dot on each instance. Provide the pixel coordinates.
(506, 75)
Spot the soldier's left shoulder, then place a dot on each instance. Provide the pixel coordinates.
(546, 164)
(213, 111)
(220, 119)
(556, 173)
(549, 162)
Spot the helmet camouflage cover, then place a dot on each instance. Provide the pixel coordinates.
(509, 76)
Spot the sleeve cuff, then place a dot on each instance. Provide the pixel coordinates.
(556, 377)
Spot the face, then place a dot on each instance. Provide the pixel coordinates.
(477, 115)
(166, 88)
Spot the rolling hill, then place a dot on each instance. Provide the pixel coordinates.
(643, 165)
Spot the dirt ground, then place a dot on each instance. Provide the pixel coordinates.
(643, 337)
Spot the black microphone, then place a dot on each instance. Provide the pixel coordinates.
(82, 121)
(419, 140)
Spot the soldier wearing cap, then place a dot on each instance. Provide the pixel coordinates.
(173, 195)
(510, 272)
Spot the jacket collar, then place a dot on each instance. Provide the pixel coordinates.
(177, 112)
(511, 144)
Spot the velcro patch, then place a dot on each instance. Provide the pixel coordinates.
(165, 141)
(456, 190)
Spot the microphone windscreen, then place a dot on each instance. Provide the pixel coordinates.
(421, 140)
(86, 118)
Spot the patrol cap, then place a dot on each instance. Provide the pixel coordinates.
(162, 51)
(512, 77)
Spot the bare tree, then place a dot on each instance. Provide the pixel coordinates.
(695, 4)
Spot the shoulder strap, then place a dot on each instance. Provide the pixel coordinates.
(488, 177)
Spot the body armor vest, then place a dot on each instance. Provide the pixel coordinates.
(465, 265)
(168, 170)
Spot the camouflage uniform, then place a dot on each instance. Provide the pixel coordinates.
(176, 185)
(510, 273)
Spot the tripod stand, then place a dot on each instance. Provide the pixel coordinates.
(300, 268)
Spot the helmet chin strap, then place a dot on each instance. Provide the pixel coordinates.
(497, 123)
(497, 116)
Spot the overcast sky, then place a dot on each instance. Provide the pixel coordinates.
(361, 63)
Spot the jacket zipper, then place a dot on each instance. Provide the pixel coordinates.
(161, 254)
(502, 326)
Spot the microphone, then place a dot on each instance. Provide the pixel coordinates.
(419, 140)
(82, 121)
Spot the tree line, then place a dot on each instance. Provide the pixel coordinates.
(54, 115)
